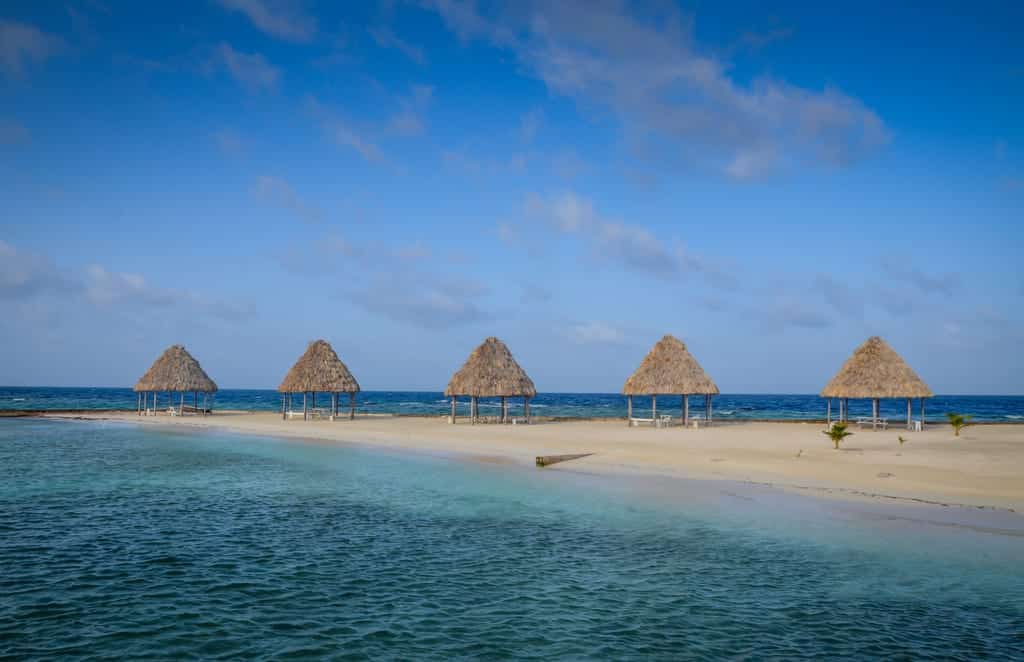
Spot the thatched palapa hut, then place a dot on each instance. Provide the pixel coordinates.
(875, 371)
(491, 372)
(669, 369)
(319, 369)
(176, 371)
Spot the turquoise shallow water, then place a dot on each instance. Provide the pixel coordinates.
(121, 542)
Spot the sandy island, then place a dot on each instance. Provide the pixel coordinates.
(984, 467)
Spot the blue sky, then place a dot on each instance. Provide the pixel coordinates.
(772, 185)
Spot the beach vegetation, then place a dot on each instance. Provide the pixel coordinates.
(837, 433)
(958, 421)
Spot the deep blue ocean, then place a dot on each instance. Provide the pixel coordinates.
(587, 405)
(126, 542)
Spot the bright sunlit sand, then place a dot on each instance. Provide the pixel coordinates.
(983, 467)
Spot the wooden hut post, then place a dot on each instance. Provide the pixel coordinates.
(181, 403)
(352, 406)
(526, 408)
(472, 410)
(138, 404)
(874, 414)
(451, 419)
(922, 413)
(828, 412)
(686, 409)
(909, 414)
(504, 410)
(629, 409)
(305, 408)
(654, 407)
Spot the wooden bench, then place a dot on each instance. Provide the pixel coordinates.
(873, 422)
(634, 421)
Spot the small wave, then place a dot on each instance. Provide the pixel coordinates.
(1015, 417)
(18, 399)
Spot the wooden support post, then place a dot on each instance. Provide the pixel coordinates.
(181, 403)
(206, 408)
(504, 410)
(629, 409)
(686, 409)
(472, 410)
(922, 414)
(154, 401)
(909, 414)
(351, 406)
(828, 413)
(711, 409)
(874, 414)
(305, 408)
(138, 404)
(526, 408)
(654, 407)
(455, 404)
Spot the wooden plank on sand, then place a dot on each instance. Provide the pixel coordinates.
(545, 460)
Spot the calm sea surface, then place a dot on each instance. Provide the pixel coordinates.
(589, 405)
(121, 542)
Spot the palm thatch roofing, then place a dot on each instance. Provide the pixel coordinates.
(489, 372)
(176, 370)
(669, 369)
(876, 371)
(319, 369)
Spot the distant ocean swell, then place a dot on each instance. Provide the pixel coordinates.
(983, 408)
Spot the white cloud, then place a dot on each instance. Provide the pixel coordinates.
(283, 19)
(649, 71)
(250, 69)
(24, 274)
(22, 44)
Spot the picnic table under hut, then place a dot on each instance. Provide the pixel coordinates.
(490, 372)
(318, 370)
(875, 372)
(669, 369)
(176, 372)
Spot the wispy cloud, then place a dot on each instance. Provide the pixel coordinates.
(22, 44)
(530, 124)
(410, 120)
(26, 276)
(13, 133)
(279, 192)
(280, 19)
(229, 142)
(650, 72)
(899, 270)
(386, 38)
(631, 246)
(589, 333)
(342, 133)
(252, 70)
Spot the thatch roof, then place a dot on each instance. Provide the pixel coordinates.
(490, 371)
(876, 371)
(319, 369)
(176, 370)
(669, 369)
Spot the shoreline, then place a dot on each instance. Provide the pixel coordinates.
(726, 420)
(983, 469)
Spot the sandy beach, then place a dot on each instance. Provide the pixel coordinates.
(984, 467)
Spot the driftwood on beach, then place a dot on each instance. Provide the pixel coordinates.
(545, 460)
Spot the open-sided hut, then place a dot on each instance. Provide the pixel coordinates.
(319, 370)
(875, 371)
(491, 372)
(175, 372)
(670, 369)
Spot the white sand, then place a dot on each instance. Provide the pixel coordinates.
(983, 467)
